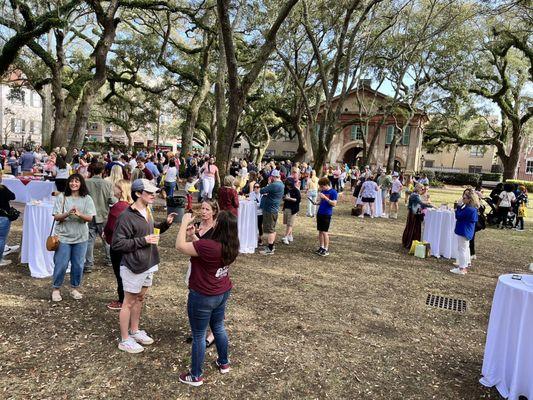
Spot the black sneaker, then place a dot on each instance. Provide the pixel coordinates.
(319, 250)
(324, 253)
(87, 270)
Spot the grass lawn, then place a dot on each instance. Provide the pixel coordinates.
(350, 326)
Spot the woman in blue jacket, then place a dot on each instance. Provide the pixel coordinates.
(466, 217)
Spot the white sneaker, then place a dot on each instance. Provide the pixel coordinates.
(473, 257)
(10, 249)
(141, 337)
(5, 262)
(384, 216)
(285, 240)
(458, 271)
(291, 239)
(56, 295)
(130, 346)
(76, 295)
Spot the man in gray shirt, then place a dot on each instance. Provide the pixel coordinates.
(101, 191)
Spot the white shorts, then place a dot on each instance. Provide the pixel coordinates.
(133, 283)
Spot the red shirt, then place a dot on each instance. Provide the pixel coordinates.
(209, 275)
(228, 199)
(114, 213)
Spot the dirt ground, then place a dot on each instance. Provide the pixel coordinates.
(353, 325)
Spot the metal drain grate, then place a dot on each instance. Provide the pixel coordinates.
(447, 303)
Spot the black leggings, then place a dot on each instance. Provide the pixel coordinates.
(116, 258)
(520, 222)
(472, 244)
(260, 225)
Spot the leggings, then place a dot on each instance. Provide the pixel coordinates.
(473, 245)
(520, 222)
(116, 258)
(260, 224)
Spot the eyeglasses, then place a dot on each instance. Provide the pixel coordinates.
(257, 187)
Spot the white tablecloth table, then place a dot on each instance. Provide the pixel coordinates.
(508, 359)
(35, 229)
(378, 203)
(34, 190)
(439, 228)
(247, 226)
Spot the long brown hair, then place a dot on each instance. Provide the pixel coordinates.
(225, 233)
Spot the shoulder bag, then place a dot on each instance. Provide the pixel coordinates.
(52, 241)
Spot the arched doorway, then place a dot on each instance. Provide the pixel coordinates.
(351, 155)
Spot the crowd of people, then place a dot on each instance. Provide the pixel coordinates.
(111, 196)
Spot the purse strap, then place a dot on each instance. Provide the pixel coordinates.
(62, 212)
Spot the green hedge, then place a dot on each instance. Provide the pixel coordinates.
(492, 176)
(457, 178)
(429, 174)
(527, 184)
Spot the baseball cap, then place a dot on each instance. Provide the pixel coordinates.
(395, 173)
(140, 185)
(275, 173)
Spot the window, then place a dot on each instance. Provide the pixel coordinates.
(35, 99)
(475, 169)
(18, 125)
(390, 134)
(477, 151)
(358, 131)
(270, 153)
(529, 166)
(32, 127)
(406, 136)
(429, 163)
(289, 153)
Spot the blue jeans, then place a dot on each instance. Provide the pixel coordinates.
(75, 253)
(169, 188)
(207, 311)
(5, 224)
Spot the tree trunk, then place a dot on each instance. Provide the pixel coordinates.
(301, 152)
(239, 90)
(46, 117)
(320, 160)
(106, 18)
(392, 154)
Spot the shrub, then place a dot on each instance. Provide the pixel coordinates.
(436, 184)
(429, 174)
(527, 184)
(457, 178)
(493, 176)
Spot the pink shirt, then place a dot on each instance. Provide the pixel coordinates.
(210, 170)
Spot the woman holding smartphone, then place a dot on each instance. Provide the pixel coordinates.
(209, 289)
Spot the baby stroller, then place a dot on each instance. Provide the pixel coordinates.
(492, 217)
(509, 220)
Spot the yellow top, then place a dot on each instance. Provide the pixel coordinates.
(313, 183)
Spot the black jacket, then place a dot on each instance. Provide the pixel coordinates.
(5, 196)
(128, 239)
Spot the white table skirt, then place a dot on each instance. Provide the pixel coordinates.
(34, 190)
(247, 226)
(439, 226)
(378, 203)
(36, 227)
(508, 359)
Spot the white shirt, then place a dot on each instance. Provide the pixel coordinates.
(256, 198)
(171, 174)
(396, 186)
(507, 199)
(63, 173)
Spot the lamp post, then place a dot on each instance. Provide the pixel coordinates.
(422, 160)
